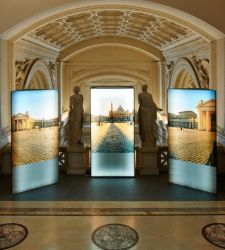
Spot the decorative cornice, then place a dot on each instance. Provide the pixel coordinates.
(198, 47)
(28, 48)
(43, 44)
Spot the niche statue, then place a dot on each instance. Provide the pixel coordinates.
(147, 116)
(75, 117)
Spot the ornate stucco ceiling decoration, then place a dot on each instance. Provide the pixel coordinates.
(151, 29)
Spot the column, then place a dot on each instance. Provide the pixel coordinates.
(218, 75)
(156, 84)
(207, 121)
(5, 88)
(163, 87)
(200, 120)
(60, 86)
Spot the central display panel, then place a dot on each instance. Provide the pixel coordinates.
(112, 132)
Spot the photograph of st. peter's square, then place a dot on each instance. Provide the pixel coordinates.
(112, 129)
(192, 125)
(34, 126)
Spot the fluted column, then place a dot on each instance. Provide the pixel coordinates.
(60, 85)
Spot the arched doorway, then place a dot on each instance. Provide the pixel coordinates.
(39, 76)
(184, 75)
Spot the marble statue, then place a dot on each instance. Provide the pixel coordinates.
(75, 117)
(147, 116)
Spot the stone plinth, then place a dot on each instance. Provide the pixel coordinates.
(6, 160)
(76, 160)
(149, 161)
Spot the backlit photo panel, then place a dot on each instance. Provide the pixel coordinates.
(35, 138)
(112, 132)
(192, 138)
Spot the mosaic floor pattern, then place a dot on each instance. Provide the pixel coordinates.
(70, 225)
(115, 237)
(215, 234)
(12, 234)
(114, 140)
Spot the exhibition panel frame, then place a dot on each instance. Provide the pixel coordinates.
(192, 138)
(35, 138)
(112, 132)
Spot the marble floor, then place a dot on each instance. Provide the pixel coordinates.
(86, 188)
(169, 225)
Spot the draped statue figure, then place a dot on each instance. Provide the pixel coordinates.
(147, 116)
(75, 117)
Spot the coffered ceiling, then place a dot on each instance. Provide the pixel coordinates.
(151, 29)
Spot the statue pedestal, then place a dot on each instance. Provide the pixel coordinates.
(76, 160)
(149, 161)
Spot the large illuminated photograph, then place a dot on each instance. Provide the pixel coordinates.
(192, 138)
(35, 134)
(112, 132)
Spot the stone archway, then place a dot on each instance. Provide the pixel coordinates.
(39, 76)
(184, 75)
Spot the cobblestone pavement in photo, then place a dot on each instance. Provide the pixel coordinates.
(34, 145)
(113, 137)
(191, 145)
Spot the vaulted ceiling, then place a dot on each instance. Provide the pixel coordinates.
(66, 31)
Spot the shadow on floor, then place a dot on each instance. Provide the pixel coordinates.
(86, 188)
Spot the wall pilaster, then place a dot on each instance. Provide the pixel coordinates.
(220, 87)
(6, 80)
(60, 86)
(213, 65)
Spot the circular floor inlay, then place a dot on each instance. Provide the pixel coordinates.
(115, 237)
(215, 234)
(11, 234)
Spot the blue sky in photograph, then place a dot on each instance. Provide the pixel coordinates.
(101, 100)
(187, 100)
(40, 104)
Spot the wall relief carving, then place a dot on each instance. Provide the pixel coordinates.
(202, 67)
(52, 68)
(21, 71)
(169, 69)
